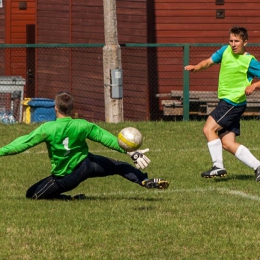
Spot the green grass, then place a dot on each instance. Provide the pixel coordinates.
(195, 218)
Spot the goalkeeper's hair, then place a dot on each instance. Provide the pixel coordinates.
(64, 103)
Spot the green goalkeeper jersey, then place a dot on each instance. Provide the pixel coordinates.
(66, 142)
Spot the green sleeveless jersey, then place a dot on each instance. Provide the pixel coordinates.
(233, 76)
(66, 142)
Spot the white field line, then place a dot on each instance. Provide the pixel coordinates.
(169, 149)
(220, 190)
(196, 190)
(226, 191)
(106, 150)
(240, 194)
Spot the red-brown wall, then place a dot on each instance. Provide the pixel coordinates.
(132, 23)
(146, 71)
(53, 21)
(2, 24)
(192, 21)
(15, 21)
(81, 21)
(78, 70)
(2, 39)
(140, 21)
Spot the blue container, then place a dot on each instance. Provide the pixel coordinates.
(42, 109)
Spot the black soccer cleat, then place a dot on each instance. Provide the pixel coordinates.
(215, 172)
(155, 184)
(257, 174)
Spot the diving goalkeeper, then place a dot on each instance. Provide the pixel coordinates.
(71, 161)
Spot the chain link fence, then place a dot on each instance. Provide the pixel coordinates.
(155, 85)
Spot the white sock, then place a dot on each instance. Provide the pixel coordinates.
(215, 150)
(245, 156)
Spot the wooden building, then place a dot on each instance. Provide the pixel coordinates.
(18, 19)
(147, 71)
(79, 22)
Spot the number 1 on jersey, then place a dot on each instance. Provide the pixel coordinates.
(66, 146)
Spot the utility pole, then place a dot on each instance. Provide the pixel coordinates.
(111, 60)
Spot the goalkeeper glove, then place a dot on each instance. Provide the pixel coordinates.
(140, 160)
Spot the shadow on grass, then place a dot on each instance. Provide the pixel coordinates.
(145, 208)
(122, 198)
(98, 197)
(242, 177)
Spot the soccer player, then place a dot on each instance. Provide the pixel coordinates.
(71, 161)
(238, 68)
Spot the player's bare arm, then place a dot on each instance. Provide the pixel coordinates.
(250, 89)
(203, 65)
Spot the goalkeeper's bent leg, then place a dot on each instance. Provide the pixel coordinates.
(46, 188)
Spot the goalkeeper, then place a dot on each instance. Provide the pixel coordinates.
(71, 161)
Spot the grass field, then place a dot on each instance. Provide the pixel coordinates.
(194, 219)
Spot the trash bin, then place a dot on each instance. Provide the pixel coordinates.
(26, 111)
(42, 109)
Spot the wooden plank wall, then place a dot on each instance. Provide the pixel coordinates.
(82, 21)
(2, 39)
(132, 21)
(76, 70)
(87, 22)
(146, 71)
(53, 21)
(52, 66)
(19, 19)
(192, 21)
(2, 24)
(15, 33)
(132, 28)
(87, 26)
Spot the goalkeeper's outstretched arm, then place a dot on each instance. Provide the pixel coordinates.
(23, 143)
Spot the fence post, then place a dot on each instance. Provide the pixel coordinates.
(186, 83)
(111, 60)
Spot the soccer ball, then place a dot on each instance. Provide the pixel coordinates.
(130, 139)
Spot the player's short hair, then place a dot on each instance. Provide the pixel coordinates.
(241, 31)
(64, 103)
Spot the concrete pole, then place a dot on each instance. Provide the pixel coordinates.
(111, 60)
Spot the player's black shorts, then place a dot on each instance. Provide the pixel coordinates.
(228, 116)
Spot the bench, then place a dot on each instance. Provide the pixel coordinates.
(202, 103)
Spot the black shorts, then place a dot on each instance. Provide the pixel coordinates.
(228, 116)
